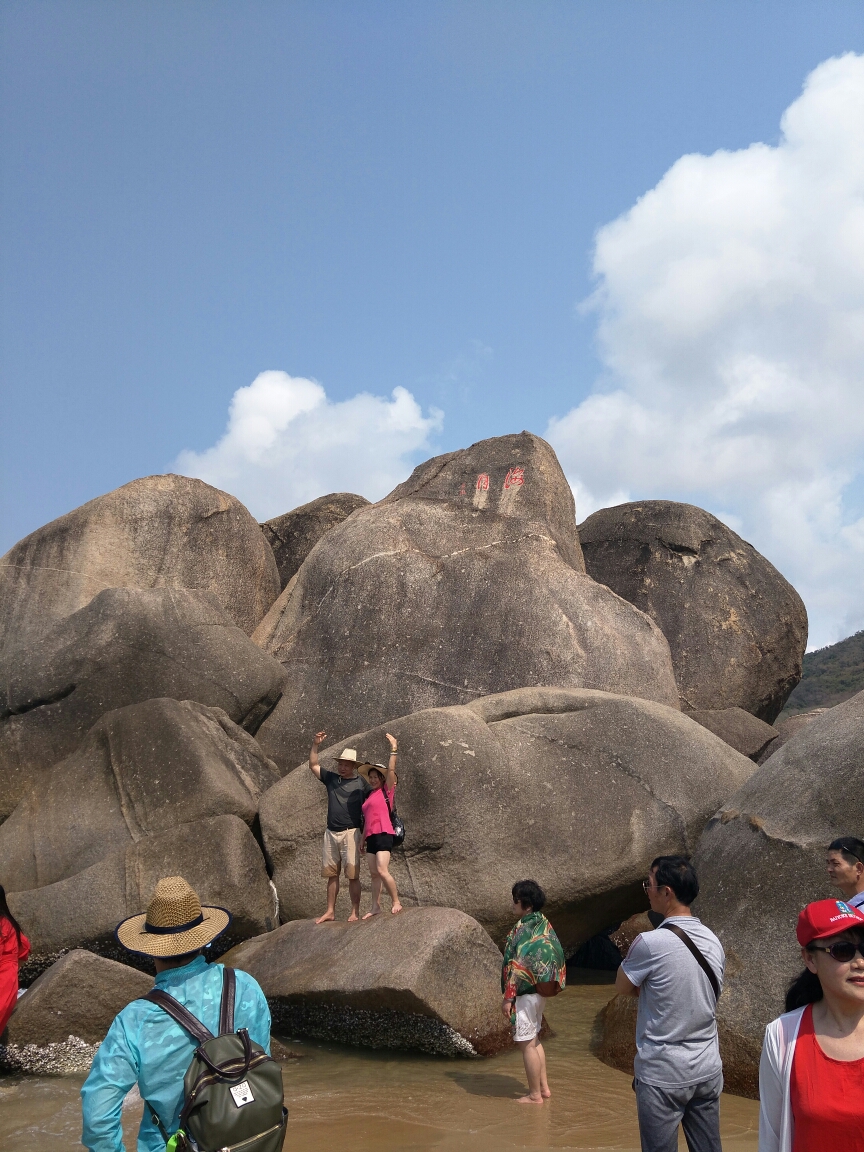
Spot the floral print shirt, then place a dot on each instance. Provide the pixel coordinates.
(532, 956)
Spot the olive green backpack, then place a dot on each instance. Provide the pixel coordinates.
(233, 1099)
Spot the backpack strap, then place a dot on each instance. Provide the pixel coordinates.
(226, 1007)
(182, 1015)
(697, 955)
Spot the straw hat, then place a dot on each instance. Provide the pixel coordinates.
(349, 754)
(175, 922)
(363, 769)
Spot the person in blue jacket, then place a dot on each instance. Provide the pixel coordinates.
(144, 1045)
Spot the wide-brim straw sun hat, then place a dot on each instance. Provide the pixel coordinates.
(175, 922)
(364, 770)
(349, 754)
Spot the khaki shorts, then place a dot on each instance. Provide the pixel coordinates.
(341, 849)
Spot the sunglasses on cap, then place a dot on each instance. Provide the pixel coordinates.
(843, 951)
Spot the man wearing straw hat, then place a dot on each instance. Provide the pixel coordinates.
(346, 792)
(144, 1045)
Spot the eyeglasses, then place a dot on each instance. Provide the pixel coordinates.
(649, 887)
(843, 951)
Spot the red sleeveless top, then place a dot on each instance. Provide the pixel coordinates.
(827, 1096)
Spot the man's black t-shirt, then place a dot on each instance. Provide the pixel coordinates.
(344, 800)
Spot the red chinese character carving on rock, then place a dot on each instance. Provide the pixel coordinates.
(515, 478)
(483, 482)
(462, 491)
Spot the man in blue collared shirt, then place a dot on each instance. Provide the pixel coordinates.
(144, 1045)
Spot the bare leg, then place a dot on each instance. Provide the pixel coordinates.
(376, 890)
(544, 1083)
(332, 893)
(355, 890)
(382, 863)
(535, 1070)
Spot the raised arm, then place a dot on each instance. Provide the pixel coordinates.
(391, 767)
(314, 766)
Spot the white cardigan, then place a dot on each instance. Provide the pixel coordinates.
(775, 1075)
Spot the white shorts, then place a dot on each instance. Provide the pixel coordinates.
(529, 1016)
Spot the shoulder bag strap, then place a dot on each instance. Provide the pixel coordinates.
(226, 1008)
(387, 802)
(697, 956)
(182, 1015)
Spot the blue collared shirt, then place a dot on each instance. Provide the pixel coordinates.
(145, 1046)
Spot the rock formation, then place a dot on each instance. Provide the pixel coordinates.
(78, 996)
(428, 979)
(762, 858)
(736, 628)
(788, 728)
(140, 771)
(293, 536)
(466, 580)
(218, 856)
(578, 788)
(127, 645)
(161, 531)
(746, 733)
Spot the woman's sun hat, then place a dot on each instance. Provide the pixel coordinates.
(175, 922)
(364, 770)
(825, 918)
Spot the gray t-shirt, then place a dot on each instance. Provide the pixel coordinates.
(676, 1026)
(344, 800)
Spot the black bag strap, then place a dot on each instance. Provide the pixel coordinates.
(182, 1015)
(697, 956)
(226, 1007)
(390, 810)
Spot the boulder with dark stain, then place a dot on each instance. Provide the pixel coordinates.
(466, 580)
(127, 645)
(736, 628)
(293, 536)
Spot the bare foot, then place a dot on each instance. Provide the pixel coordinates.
(354, 916)
(374, 912)
(327, 916)
(529, 1100)
(545, 1093)
(396, 908)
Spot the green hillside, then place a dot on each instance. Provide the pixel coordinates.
(831, 675)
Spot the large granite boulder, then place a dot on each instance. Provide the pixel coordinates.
(576, 788)
(427, 979)
(466, 580)
(761, 858)
(293, 536)
(736, 628)
(745, 732)
(125, 646)
(79, 995)
(141, 770)
(161, 531)
(789, 727)
(219, 857)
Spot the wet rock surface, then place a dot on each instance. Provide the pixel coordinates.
(466, 580)
(293, 536)
(736, 628)
(425, 979)
(126, 646)
(515, 781)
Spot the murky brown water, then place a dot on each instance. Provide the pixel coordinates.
(359, 1101)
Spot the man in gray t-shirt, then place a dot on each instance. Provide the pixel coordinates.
(678, 1073)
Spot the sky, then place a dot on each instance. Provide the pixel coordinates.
(295, 248)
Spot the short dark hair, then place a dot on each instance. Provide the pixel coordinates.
(851, 849)
(529, 892)
(677, 873)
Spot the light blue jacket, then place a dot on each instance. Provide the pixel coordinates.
(145, 1046)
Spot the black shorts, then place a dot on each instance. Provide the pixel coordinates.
(380, 842)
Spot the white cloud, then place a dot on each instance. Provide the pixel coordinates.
(730, 306)
(286, 443)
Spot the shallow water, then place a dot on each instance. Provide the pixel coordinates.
(344, 1098)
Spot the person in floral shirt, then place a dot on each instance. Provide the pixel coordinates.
(533, 969)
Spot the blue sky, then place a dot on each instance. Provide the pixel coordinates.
(373, 196)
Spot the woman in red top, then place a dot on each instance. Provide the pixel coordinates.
(377, 839)
(812, 1072)
(14, 947)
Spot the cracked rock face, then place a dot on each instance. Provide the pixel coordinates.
(428, 979)
(736, 628)
(125, 646)
(160, 531)
(581, 789)
(293, 536)
(140, 771)
(762, 858)
(466, 580)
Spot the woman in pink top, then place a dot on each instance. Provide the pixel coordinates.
(377, 841)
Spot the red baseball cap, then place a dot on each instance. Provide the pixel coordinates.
(826, 918)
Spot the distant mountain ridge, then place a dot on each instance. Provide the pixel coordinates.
(831, 675)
